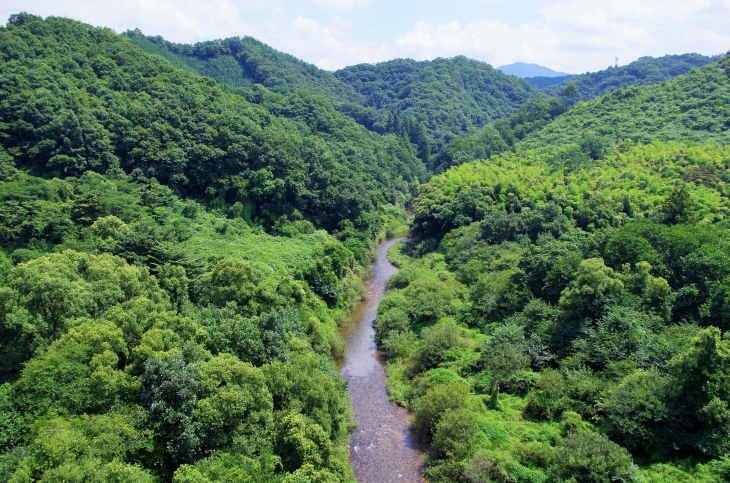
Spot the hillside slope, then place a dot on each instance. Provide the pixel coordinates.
(446, 98)
(689, 107)
(169, 305)
(450, 97)
(245, 61)
(77, 98)
(560, 313)
(543, 82)
(642, 72)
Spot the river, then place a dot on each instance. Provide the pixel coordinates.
(382, 448)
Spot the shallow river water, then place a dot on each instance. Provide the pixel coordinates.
(382, 448)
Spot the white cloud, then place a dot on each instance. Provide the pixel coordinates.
(580, 35)
(593, 14)
(325, 46)
(341, 4)
(492, 41)
(178, 20)
(568, 35)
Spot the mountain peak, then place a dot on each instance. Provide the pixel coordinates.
(522, 69)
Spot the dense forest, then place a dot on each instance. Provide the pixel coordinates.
(561, 310)
(430, 102)
(184, 229)
(642, 72)
(169, 295)
(689, 108)
(541, 82)
(450, 97)
(243, 62)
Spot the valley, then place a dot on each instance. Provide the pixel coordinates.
(202, 280)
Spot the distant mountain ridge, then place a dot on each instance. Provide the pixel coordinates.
(690, 107)
(245, 61)
(430, 102)
(541, 82)
(642, 72)
(450, 97)
(523, 69)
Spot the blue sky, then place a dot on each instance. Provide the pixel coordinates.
(567, 35)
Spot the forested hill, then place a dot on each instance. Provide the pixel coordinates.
(169, 303)
(642, 72)
(560, 320)
(562, 311)
(450, 97)
(431, 102)
(78, 98)
(690, 107)
(543, 82)
(245, 61)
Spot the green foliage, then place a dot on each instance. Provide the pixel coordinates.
(549, 398)
(119, 332)
(591, 267)
(698, 401)
(439, 343)
(12, 423)
(88, 448)
(569, 91)
(634, 410)
(171, 393)
(402, 97)
(690, 110)
(642, 72)
(513, 183)
(99, 103)
(234, 409)
(501, 135)
(456, 433)
(325, 274)
(392, 316)
(498, 294)
(79, 373)
(43, 296)
(301, 441)
(244, 62)
(594, 285)
(687, 108)
(430, 299)
(493, 402)
(591, 457)
(292, 387)
(227, 467)
(161, 245)
(678, 207)
(451, 97)
(434, 404)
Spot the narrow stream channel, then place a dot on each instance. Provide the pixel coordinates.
(382, 448)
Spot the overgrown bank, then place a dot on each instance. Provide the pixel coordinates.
(554, 322)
